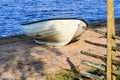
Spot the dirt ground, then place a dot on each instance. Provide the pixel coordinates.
(22, 59)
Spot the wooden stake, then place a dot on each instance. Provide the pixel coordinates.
(110, 40)
(91, 76)
(100, 67)
(101, 32)
(114, 62)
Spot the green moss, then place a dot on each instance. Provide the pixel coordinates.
(62, 75)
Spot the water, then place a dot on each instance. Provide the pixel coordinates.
(15, 12)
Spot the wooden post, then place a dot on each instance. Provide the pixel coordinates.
(110, 40)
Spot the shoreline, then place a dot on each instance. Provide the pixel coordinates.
(93, 25)
(21, 57)
(104, 23)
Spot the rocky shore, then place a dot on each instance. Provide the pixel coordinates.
(22, 59)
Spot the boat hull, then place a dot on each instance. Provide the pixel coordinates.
(55, 32)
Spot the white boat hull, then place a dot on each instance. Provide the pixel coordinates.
(55, 32)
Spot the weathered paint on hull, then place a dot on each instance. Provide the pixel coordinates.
(55, 32)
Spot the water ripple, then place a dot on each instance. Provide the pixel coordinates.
(15, 12)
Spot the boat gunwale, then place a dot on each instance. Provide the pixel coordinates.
(55, 19)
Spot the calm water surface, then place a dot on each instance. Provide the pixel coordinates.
(15, 12)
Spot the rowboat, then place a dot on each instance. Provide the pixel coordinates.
(56, 32)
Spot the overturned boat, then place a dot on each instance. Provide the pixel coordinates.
(55, 32)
